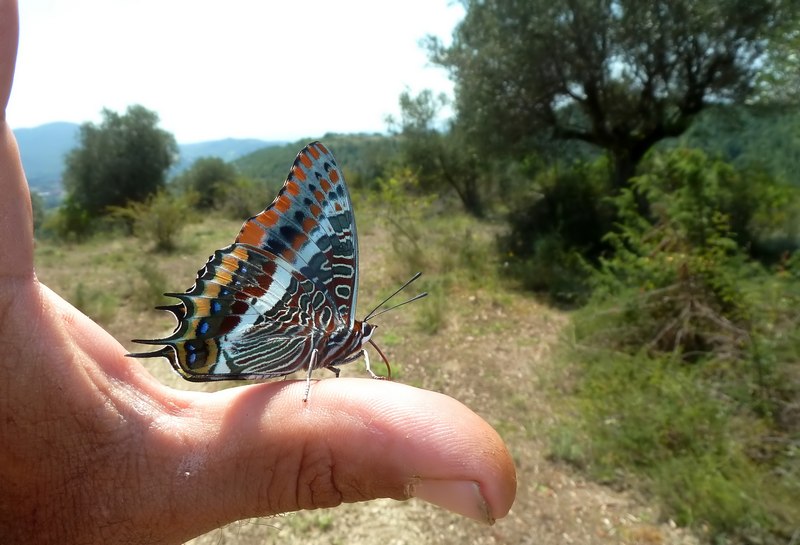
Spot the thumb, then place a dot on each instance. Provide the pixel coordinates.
(355, 440)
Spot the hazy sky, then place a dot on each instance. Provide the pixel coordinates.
(243, 68)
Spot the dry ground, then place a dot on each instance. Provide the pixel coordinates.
(491, 351)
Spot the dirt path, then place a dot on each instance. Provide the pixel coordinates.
(492, 353)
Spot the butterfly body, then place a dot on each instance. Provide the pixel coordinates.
(282, 297)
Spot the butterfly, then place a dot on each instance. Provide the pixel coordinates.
(282, 297)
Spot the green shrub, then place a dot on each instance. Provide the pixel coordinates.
(243, 198)
(558, 227)
(69, 222)
(553, 268)
(206, 179)
(402, 213)
(158, 220)
(687, 356)
(681, 259)
(149, 285)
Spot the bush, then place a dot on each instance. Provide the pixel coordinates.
(687, 355)
(403, 215)
(69, 222)
(159, 220)
(554, 268)
(38, 211)
(206, 179)
(555, 230)
(243, 198)
(686, 259)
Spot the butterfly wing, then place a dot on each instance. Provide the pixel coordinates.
(311, 222)
(262, 305)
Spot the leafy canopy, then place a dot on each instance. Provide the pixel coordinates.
(124, 159)
(440, 159)
(617, 74)
(208, 178)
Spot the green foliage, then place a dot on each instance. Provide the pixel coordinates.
(38, 209)
(70, 221)
(402, 214)
(687, 353)
(124, 159)
(207, 178)
(440, 159)
(685, 258)
(431, 313)
(747, 137)
(586, 71)
(212, 183)
(555, 230)
(778, 84)
(443, 246)
(661, 422)
(365, 158)
(148, 287)
(243, 198)
(158, 220)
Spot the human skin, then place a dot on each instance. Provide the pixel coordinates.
(93, 449)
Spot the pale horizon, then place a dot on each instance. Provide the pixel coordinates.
(252, 70)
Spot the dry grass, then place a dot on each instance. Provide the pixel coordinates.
(477, 340)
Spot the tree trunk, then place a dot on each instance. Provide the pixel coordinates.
(624, 168)
(625, 163)
(472, 199)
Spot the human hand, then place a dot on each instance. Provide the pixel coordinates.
(94, 450)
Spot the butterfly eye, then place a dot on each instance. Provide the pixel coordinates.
(367, 330)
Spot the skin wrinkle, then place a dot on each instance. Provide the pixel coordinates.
(342, 481)
(319, 468)
(266, 479)
(318, 473)
(286, 484)
(102, 416)
(300, 498)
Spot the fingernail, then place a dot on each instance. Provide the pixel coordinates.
(462, 497)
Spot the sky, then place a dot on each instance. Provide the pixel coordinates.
(268, 69)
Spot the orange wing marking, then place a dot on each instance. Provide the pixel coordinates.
(299, 173)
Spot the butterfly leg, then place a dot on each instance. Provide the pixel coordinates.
(356, 356)
(369, 369)
(311, 365)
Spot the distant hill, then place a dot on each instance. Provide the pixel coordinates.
(44, 148)
(768, 138)
(228, 149)
(363, 157)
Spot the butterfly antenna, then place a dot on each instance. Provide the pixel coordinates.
(373, 313)
(384, 311)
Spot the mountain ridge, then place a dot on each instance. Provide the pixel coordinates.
(44, 148)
